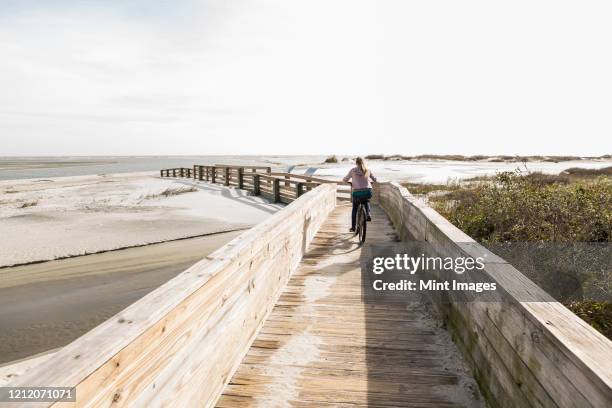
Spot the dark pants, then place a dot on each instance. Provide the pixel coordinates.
(363, 199)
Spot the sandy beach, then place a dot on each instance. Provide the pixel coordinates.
(82, 248)
(54, 218)
(47, 305)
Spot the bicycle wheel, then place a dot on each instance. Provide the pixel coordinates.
(362, 223)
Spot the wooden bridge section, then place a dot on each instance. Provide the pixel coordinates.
(277, 318)
(259, 180)
(324, 346)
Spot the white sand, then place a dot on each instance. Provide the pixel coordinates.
(68, 216)
(440, 171)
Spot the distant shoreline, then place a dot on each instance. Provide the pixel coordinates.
(485, 158)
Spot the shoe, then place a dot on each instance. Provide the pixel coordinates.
(369, 218)
(352, 230)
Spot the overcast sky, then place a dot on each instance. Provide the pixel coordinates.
(305, 77)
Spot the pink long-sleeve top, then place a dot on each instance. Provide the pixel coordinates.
(359, 180)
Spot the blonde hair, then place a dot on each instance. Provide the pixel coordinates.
(362, 166)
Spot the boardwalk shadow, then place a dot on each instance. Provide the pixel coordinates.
(235, 194)
(410, 358)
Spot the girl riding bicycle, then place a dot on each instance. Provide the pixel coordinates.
(362, 189)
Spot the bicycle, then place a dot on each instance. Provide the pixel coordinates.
(361, 226)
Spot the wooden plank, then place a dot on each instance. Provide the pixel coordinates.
(251, 168)
(226, 175)
(9, 372)
(240, 178)
(318, 180)
(256, 185)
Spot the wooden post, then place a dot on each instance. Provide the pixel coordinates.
(213, 174)
(286, 182)
(227, 176)
(194, 171)
(240, 179)
(276, 190)
(173, 172)
(256, 190)
(299, 190)
(161, 173)
(200, 173)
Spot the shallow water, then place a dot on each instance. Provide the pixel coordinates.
(431, 171)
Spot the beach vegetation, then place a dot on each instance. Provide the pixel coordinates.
(172, 190)
(431, 189)
(559, 212)
(27, 204)
(581, 172)
(532, 207)
(486, 158)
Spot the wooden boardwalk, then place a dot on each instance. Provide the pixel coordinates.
(323, 346)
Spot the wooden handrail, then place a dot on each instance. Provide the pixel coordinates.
(273, 185)
(269, 169)
(181, 344)
(525, 348)
(310, 178)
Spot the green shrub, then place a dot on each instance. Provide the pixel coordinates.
(526, 208)
(515, 207)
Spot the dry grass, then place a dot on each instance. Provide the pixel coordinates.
(425, 189)
(580, 172)
(572, 175)
(27, 204)
(331, 159)
(172, 191)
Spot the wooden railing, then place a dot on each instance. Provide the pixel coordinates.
(259, 180)
(525, 349)
(180, 344)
